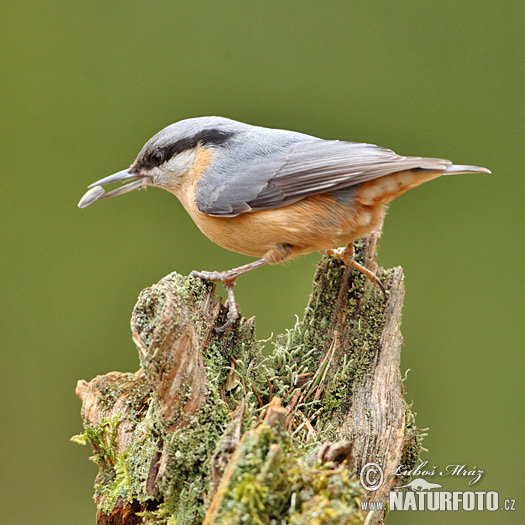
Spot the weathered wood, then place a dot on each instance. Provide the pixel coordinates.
(212, 429)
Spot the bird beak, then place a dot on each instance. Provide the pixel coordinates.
(96, 192)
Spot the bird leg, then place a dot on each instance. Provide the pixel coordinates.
(228, 280)
(346, 255)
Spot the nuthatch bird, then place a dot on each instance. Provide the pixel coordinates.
(272, 193)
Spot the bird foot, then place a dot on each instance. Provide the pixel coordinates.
(228, 278)
(345, 254)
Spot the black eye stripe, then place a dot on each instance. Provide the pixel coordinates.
(205, 137)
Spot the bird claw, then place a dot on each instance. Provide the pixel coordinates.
(345, 254)
(224, 327)
(228, 280)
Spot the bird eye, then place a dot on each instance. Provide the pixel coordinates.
(157, 157)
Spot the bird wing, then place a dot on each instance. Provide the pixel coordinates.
(288, 174)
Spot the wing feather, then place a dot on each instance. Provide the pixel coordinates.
(306, 167)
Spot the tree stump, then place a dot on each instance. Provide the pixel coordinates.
(214, 428)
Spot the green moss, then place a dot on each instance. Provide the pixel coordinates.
(272, 484)
(337, 390)
(102, 437)
(297, 352)
(413, 444)
(115, 478)
(362, 333)
(188, 453)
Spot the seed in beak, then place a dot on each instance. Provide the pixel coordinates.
(91, 196)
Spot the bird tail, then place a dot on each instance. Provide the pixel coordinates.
(455, 169)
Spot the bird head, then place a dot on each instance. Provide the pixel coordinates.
(167, 157)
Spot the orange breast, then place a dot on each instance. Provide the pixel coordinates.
(315, 223)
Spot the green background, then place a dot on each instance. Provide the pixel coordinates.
(85, 84)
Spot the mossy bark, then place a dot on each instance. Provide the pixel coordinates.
(215, 429)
